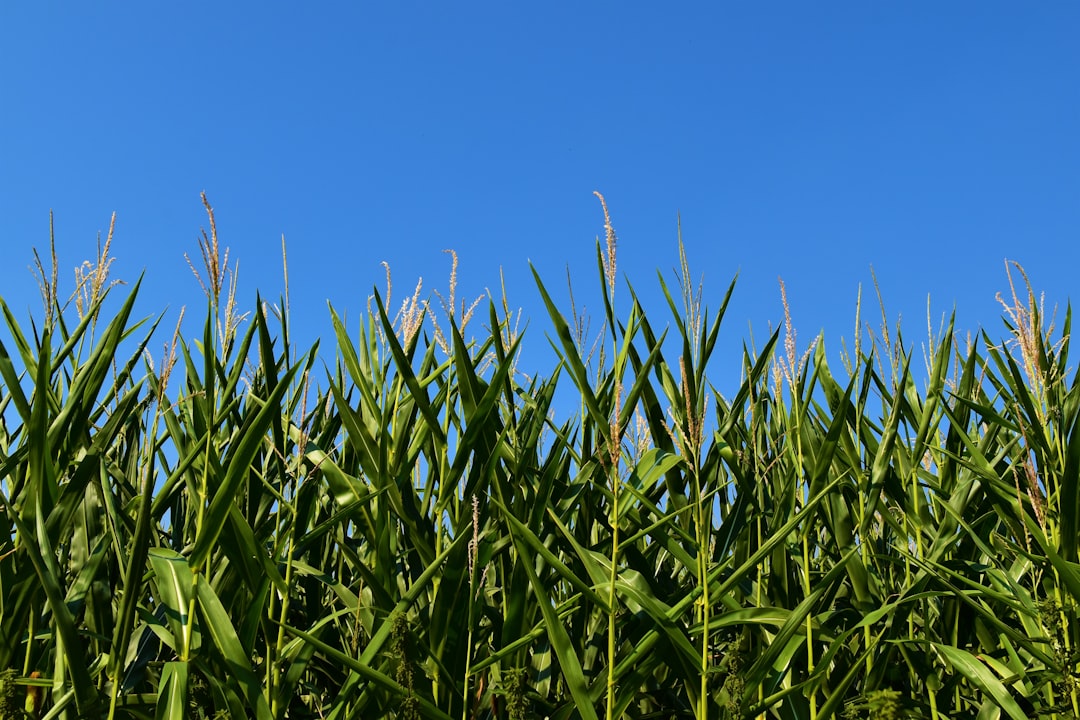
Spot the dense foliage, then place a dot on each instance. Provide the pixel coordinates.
(404, 528)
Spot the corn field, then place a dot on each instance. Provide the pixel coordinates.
(407, 526)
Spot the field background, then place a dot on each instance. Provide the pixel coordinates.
(391, 422)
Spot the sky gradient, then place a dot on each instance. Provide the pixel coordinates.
(808, 141)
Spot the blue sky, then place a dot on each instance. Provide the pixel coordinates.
(808, 141)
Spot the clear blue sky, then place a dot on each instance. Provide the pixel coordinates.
(802, 140)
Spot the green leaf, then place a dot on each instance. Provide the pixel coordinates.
(220, 628)
(969, 666)
(172, 691)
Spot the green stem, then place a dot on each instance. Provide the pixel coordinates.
(703, 581)
(613, 576)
